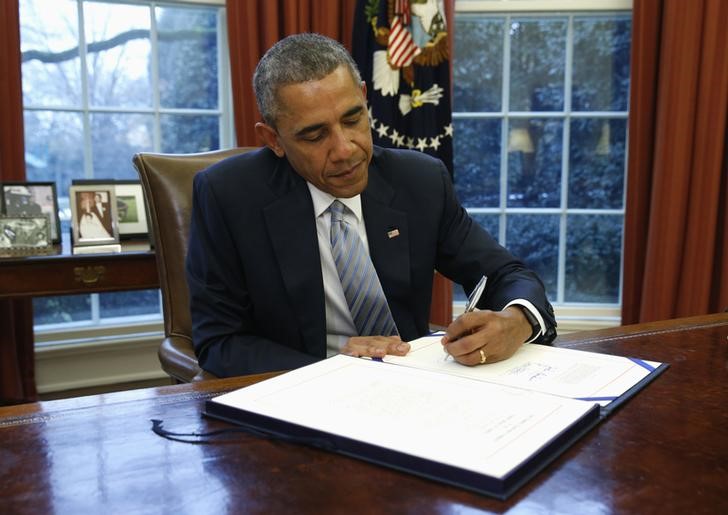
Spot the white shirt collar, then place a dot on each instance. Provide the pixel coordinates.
(322, 201)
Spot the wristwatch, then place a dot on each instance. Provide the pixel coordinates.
(535, 326)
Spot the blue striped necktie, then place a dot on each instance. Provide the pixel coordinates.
(363, 292)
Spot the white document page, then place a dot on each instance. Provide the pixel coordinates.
(557, 371)
(478, 426)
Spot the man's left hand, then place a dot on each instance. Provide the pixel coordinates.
(375, 346)
(486, 336)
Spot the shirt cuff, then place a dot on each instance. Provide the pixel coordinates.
(531, 309)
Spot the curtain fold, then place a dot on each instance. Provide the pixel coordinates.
(675, 260)
(17, 366)
(253, 27)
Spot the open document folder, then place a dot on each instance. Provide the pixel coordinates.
(487, 435)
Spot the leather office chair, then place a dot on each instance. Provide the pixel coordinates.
(167, 183)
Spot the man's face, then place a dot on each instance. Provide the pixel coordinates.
(323, 130)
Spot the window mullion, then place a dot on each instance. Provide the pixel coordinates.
(505, 108)
(565, 153)
(85, 103)
(95, 309)
(224, 93)
(154, 44)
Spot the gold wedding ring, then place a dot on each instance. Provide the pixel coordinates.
(483, 357)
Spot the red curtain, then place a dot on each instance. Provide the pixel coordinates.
(253, 27)
(17, 370)
(676, 226)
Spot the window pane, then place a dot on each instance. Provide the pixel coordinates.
(601, 63)
(185, 133)
(49, 45)
(129, 303)
(476, 161)
(597, 163)
(115, 139)
(593, 250)
(478, 69)
(119, 50)
(534, 162)
(535, 240)
(187, 57)
(538, 60)
(53, 147)
(57, 310)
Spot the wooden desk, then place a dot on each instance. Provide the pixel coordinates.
(58, 272)
(665, 451)
(62, 273)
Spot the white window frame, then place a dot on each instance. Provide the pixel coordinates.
(570, 316)
(49, 334)
(117, 350)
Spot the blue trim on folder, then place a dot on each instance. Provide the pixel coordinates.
(596, 399)
(643, 364)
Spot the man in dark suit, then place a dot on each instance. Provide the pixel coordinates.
(265, 294)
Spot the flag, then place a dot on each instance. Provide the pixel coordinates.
(401, 49)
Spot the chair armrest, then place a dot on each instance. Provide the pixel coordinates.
(179, 361)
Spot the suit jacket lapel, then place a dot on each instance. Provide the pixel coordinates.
(388, 235)
(292, 230)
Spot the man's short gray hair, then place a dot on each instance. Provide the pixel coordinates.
(295, 59)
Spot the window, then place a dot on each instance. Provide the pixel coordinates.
(103, 80)
(540, 116)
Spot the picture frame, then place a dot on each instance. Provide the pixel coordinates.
(32, 199)
(24, 234)
(94, 218)
(132, 209)
(133, 216)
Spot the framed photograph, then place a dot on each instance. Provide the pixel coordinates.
(130, 206)
(94, 219)
(132, 209)
(24, 234)
(32, 199)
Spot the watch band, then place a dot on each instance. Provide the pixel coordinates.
(535, 326)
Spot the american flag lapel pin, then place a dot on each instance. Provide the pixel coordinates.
(393, 233)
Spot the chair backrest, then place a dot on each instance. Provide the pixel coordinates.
(167, 183)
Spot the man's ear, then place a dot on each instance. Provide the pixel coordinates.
(270, 137)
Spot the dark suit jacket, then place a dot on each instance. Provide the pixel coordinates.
(254, 271)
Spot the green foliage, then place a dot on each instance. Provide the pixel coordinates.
(370, 9)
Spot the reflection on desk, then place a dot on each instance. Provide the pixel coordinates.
(664, 451)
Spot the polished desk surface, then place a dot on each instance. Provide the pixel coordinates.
(665, 451)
